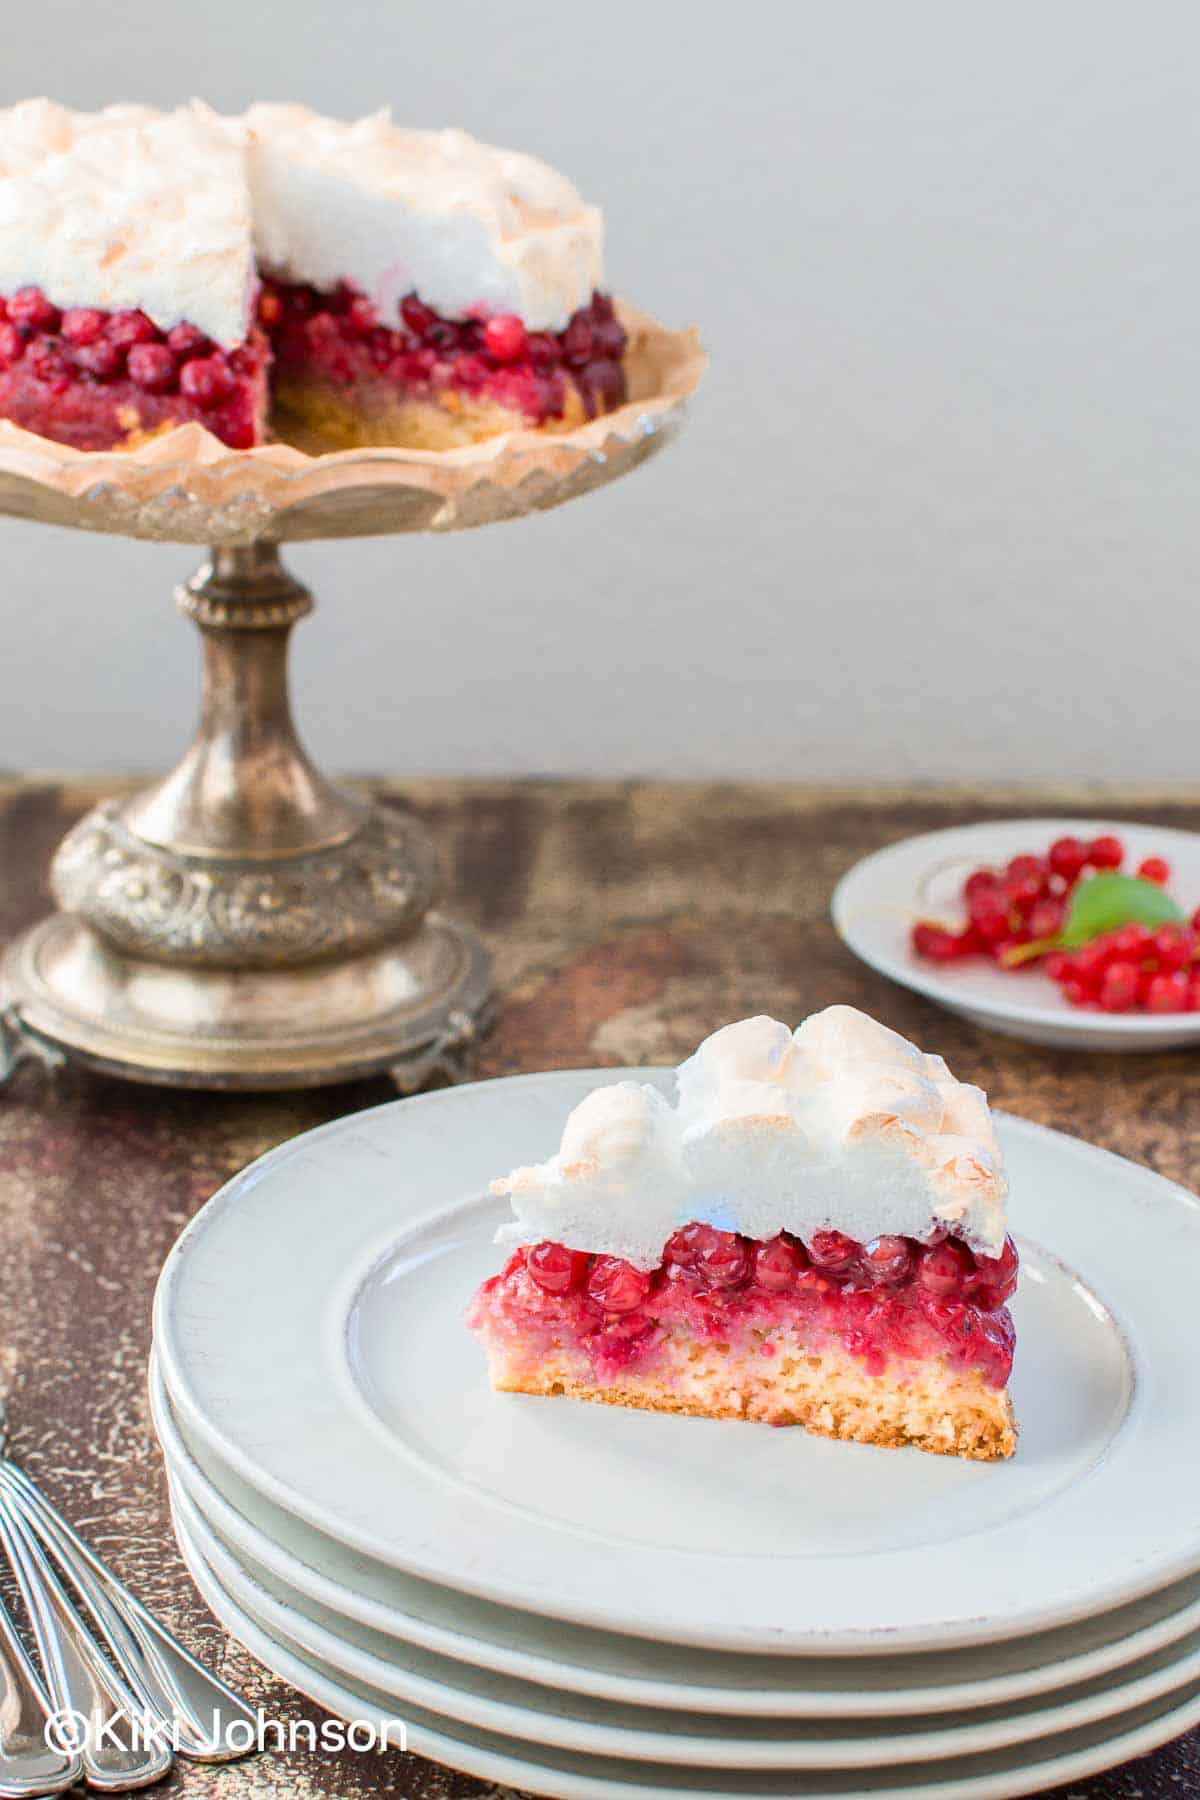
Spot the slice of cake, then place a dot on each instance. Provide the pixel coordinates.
(286, 274)
(812, 1233)
(127, 276)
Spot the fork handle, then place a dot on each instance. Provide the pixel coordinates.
(29, 1763)
(166, 1678)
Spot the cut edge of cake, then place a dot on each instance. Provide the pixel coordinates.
(813, 1232)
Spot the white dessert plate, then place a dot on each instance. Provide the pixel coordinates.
(285, 1555)
(568, 1775)
(876, 903)
(598, 1727)
(309, 1330)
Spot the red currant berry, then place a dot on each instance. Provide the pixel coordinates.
(12, 345)
(103, 361)
(1022, 891)
(30, 310)
(361, 317)
(938, 944)
(1120, 986)
(1153, 868)
(82, 324)
(1092, 959)
(188, 340)
(887, 1260)
(981, 891)
(724, 1260)
(833, 1252)
(416, 315)
(152, 367)
(682, 1249)
(504, 337)
(1067, 857)
(1172, 947)
(944, 1269)
(991, 926)
(980, 881)
(1106, 852)
(616, 1285)
(129, 328)
(1058, 965)
(206, 381)
(49, 362)
(556, 1269)
(1045, 921)
(1168, 993)
(1132, 941)
(777, 1263)
(996, 1277)
(542, 350)
(577, 341)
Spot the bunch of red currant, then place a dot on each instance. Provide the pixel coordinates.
(1009, 910)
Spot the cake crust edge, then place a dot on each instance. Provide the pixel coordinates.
(950, 1413)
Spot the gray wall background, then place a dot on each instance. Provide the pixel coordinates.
(935, 515)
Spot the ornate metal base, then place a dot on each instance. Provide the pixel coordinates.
(410, 1012)
(244, 923)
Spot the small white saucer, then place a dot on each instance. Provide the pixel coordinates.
(875, 905)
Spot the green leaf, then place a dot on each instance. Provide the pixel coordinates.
(1108, 900)
(1102, 903)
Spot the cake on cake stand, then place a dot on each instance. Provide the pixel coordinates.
(245, 922)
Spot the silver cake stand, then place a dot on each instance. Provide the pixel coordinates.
(245, 922)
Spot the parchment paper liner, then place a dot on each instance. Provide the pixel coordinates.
(187, 487)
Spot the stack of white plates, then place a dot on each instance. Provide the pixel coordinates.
(586, 1601)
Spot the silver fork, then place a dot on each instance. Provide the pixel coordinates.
(88, 1696)
(29, 1763)
(205, 1720)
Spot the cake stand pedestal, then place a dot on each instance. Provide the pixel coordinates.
(246, 923)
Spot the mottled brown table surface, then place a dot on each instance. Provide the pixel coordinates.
(627, 921)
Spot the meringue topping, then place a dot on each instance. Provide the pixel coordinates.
(170, 212)
(128, 208)
(841, 1125)
(466, 226)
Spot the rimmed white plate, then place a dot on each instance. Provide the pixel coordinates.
(315, 1570)
(996, 1775)
(598, 1727)
(876, 903)
(345, 1389)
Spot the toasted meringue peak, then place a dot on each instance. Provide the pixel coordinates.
(842, 1125)
(169, 212)
(466, 225)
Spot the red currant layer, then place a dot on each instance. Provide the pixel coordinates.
(340, 337)
(889, 1299)
(91, 378)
